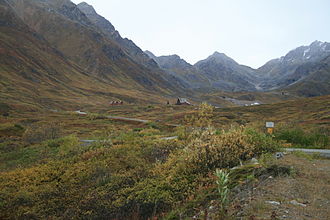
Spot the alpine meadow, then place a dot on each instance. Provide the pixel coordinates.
(94, 127)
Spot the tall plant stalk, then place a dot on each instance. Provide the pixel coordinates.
(222, 182)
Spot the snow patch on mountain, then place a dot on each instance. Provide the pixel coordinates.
(307, 51)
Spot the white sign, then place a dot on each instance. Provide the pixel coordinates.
(270, 124)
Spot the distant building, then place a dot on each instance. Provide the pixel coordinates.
(182, 101)
(116, 103)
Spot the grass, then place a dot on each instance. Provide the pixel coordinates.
(135, 168)
(302, 187)
(9, 129)
(304, 155)
(301, 139)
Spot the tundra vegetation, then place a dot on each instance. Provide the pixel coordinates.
(133, 174)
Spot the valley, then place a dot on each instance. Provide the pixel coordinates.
(44, 149)
(93, 127)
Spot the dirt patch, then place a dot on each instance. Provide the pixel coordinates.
(303, 195)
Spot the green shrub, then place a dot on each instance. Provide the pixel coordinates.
(263, 143)
(138, 177)
(69, 145)
(149, 132)
(153, 125)
(299, 138)
(137, 129)
(307, 156)
(211, 151)
(95, 116)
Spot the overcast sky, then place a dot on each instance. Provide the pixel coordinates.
(249, 31)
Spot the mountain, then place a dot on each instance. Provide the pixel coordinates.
(128, 46)
(226, 74)
(216, 72)
(109, 30)
(312, 79)
(170, 62)
(179, 68)
(56, 53)
(279, 73)
(82, 47)
(220, 72)
(34, 74)
(70, 31)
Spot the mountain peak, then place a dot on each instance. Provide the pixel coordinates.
(87, 8)
(150, 54)
(317, 42)
(174, 56)
(169, 61)
(216, 53)
(220, 57)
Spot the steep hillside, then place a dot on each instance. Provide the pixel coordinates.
(84, 47)
(109, 30)
(315, 79)
(32, 71)
(34, 74)
(279, 73)
(70, 31)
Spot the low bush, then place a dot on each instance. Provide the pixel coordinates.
(299, 138)
(39, 133)
(7, 130)
(138, 177)
(153, 125)
(263, 143)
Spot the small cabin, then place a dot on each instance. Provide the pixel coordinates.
(182, 101)
(116, 103)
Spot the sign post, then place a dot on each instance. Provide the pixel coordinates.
(270, 127)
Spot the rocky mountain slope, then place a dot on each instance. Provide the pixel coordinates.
(179, 68)
(109, 30)
(53, 51)
(81, 46)
(223, 73)
(70, 31)
(226, 74)
(311, 79)
(216, 72)
(282, 72)
(35, 74)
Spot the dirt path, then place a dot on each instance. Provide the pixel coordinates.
(304, 195)
(128, 119)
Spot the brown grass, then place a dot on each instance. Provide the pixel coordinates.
(309, 186)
